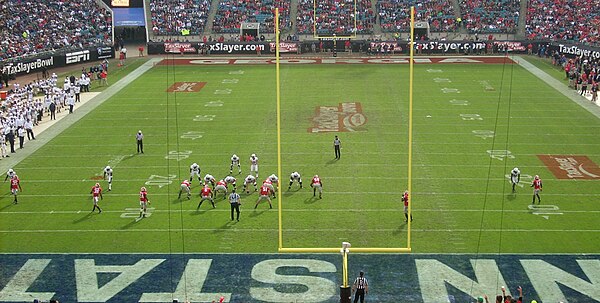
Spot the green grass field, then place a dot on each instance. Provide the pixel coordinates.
(461, 199)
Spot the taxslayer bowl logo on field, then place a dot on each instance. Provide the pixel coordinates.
(571, 167)
(346, 117)
(186, 87)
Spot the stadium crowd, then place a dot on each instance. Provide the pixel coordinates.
(51, 25)
(170, 17)
(394, 15)
(231, 13)
(335, 17)
(490, 16)
(576, 20)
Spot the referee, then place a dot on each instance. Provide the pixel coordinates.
(360, 288)
(139, 137)
(235, 201)
(336, 147)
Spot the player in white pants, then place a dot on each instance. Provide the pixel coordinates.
(108, 173)
(295, 176)
(235, 160)
(254, 165)
(250, 179)
(195, 171)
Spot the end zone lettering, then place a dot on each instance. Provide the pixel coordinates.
(346, 117)
(571, 167)
(186, 87)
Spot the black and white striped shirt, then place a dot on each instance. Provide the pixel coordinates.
(361, 283)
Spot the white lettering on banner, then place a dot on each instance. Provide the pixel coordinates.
(435, 275)
(189, 286)
(548, 279)
(28, 67)
(77, 57)
(317, 289)
(210, 61)
(86, 278)
(16, 289)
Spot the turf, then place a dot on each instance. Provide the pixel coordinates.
(462, 202)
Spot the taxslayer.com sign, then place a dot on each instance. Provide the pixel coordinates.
(571, 167)
(345, 117)
(176, 48)
(186, 87)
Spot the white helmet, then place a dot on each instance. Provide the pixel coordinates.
(11, 171)
(234, 156)
(107, 167)
(316, 176)
(537, 177)
(195, 164)
(143, 188)
(97, 184)
(253, 156)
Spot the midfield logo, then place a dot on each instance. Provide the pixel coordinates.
(186, 87)
(571, 167)
(346, 117)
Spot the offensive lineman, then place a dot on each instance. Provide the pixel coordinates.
(317, 184)
(254, 165)
(250, 179)
(206, 194)
(108, 172)
(515, 178)
(209, 179)
(231, 180)
(185, 187)
(235, 160)
(295, 176)
(143, 202)
(195, 171)
(274, 180)
(96, 193)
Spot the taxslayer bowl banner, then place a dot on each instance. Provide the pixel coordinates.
(572, 50)
(284, 47)
(512, 46)
(571, 167)
(176, 48)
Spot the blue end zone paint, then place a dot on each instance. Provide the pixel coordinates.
(392, 278)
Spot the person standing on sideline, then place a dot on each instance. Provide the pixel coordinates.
(537, 188)
(336, 147)
(29, 129)
(360, 287)
(515, 178)
(71, 102)
(140, 142)
(405, 200)
(10, 136)
(235, 201)
(52, 108)
(21, 134)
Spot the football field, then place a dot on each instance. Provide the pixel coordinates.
(473, 122)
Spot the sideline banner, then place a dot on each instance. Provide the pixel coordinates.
(221, 48)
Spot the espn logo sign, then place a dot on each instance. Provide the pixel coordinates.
(77, 57)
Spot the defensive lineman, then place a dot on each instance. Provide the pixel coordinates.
(108, 172)
(250, 179)
(185, 187)
(317, 184)
(254, 165)
(221, 187)
(295, 176)
(265, 192)
(235, 160)
(515, 178)
(206, 194)
(195, 171)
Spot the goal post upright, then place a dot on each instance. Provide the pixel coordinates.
(278, 100)
(410, 120)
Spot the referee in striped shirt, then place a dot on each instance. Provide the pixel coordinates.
(235, 201)
(360, 288)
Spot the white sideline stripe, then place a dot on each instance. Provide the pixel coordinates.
(294, 230)
(284, 179)
(183, 167)
(415, 210)
(362, 153)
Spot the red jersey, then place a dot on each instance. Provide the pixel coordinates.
(316, 180)
(537, 183)
(96, 191)
(186, 183)
(206, 191)
(264, 191)
(14, 183)
(221, 182)
(143, 196)
(405, 199)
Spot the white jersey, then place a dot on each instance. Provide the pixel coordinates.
(209, 178)
(235, 159)
(295, 176)
(230, 180)
(108, 172)
(250, 179)
(254, 160)
(514, 175)
(194, 168)
(273, 178)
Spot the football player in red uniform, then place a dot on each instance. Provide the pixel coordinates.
(265, 192)
(405, 200)
(221, 187)
(185, 187)
(15, 186)
(537, 188)
(317, 184)
(143, 202)
(206, 194)
(96, 193)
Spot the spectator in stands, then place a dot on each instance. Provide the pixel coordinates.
(335, 17)
(169, 17)
(490, 15)
(231, 13)
(394, 15)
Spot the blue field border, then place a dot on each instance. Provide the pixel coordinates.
(427, 278)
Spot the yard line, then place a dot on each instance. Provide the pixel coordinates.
(273, 230)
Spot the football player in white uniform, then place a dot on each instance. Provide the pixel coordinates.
(254, 165)
(231, 180)
(195, 171)
(275, 181)
(235, 160)
(108, 175)
(185, 187)
(515, 178)
(295, 176)
(209, 179)
(9, 174)
(250, 179)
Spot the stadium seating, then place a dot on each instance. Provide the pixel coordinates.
(575, 20)
(51, 25)
(394, 15)
(490, 16)
(335, 17)
(169, 17)
(231, 13)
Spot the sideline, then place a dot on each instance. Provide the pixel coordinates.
(559, 86)
(51, 129)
